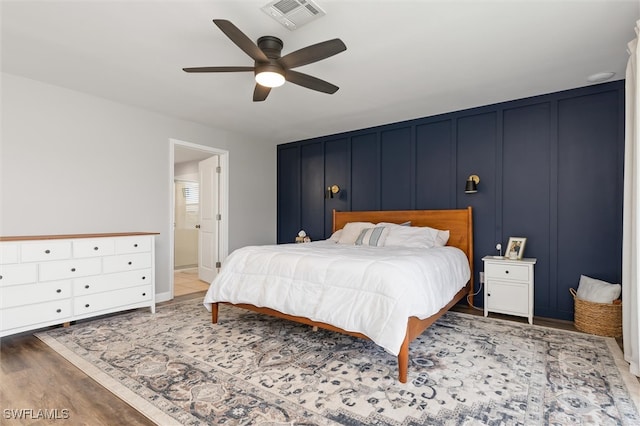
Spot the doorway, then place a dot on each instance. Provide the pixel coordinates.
(185, 234)
(197, 251)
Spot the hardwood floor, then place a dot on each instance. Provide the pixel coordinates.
(186, 281)
(546, 322)
(34, 377)
(36, 381)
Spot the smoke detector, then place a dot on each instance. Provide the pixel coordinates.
(293, 14)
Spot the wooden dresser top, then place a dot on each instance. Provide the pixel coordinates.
(70, 236)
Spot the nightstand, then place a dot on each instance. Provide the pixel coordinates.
(509, 286)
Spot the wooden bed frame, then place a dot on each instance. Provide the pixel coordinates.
(459, 222)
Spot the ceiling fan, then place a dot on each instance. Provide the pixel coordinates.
(271, 69)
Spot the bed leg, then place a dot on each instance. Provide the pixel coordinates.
(403, 360)
(214, 313)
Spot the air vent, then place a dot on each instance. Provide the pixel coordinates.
(293, 14)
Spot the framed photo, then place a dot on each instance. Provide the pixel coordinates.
(515, 248)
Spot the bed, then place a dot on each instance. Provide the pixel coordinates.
(309, 283)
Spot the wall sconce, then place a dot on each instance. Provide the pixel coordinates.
(332, 190)
(472, 184)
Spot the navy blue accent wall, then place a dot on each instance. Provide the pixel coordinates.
(435, 162)
(550, 167)
(396, 169)
(311, 184)
(336, 166)
(365, 173)
(288, 175)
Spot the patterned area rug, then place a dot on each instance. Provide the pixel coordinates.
(178, 368)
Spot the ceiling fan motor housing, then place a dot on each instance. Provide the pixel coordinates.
(271, 46)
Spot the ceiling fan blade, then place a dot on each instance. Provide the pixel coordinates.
(217, 69)
(260, 93)
(313, 53)
(310, 82)
(241, 40)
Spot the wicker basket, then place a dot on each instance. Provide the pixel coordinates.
(602, 319)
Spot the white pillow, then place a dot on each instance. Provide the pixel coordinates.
(373, 236)
(351, 231)
(416, 236)
(335, 237)
(597, 291)
(407, 223)
(442, 239)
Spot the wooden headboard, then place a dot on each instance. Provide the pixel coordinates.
(459, 223)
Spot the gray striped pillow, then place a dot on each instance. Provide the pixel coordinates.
(372, 236)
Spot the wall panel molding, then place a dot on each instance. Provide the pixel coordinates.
(550, 169)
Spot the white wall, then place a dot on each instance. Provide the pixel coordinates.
(75, 163)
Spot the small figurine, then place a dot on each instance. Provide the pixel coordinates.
(302, 237)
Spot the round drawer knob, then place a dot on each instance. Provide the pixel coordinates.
(95, 248)
(135, 245)
(58, 310)
(0, 277)
(47, 251)
(130, 263)
(73, 269)
(144, 278)
(86, 306)
(144, 294)
(58, 291)
(506, 272)
(86, 286)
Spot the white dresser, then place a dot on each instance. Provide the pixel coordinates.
(55, 279)
(509, 286)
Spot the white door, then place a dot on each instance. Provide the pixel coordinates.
(208, 235)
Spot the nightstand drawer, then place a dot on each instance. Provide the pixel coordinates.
(506, 271)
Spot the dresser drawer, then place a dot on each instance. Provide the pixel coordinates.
(18, 274)
(39, 313)
(506, 271)
(93, 247)
(27, 294)
(8, 253)
(50, 271)
(126, 262)
(108, 282)
(43, 251)
(133, 244)
(113, 299)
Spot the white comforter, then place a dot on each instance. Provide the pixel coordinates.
(370, 290)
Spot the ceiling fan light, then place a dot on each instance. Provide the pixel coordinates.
(269, 79)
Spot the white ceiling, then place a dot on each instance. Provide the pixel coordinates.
(404, 59)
